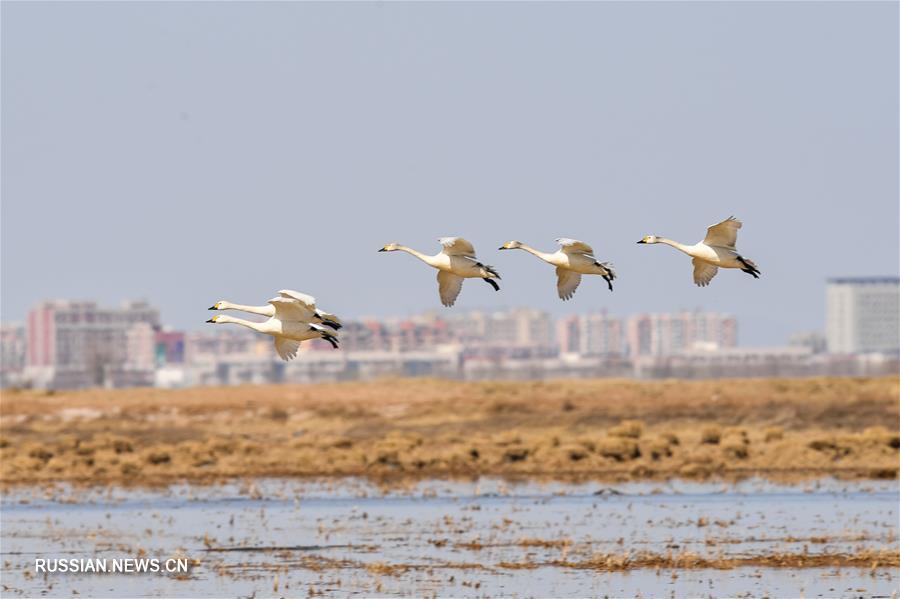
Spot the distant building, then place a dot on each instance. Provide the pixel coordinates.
(813, 340)
(747, 362)
(568, 334)
(140, 346)
(209, 346)
(596, 334)
(72, 344)
(169, 347)
(516, 328)
(666, 334)
(369, 335)
(862, 315)
(12, 353)
(417, 334)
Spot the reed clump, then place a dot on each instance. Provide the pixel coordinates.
(430, 428)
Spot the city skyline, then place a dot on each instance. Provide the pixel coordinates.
(571, 311)
(285, 146)
(77, 344)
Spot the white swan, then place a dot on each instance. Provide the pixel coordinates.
(715, 251)
(304, 309)
(573, 259)
(287, 333)
(454, 263)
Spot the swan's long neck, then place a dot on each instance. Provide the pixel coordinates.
(429, 260)
(261, 310)
(256, 326)
(678, 246)
(542, 255)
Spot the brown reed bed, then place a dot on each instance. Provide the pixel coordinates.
(602, 429)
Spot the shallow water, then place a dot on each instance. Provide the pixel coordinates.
(489, 537)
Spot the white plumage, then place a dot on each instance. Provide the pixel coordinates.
(457, 246)
(303, 307)
(717, 250)
(293, 318)
(573, 259)
(455, 262)
(287, 334)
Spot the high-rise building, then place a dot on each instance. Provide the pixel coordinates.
(209, 345)
(169, 347)
(12, 352)
(568, 334)
(862, 314)
(519, 327)
(78, 344)
(665, 334)
(596, 334)
(140, 346)
(602, 335)
(813, 340)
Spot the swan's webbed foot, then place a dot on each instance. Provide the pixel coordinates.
(608, 280)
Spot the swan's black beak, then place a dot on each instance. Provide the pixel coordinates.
(502, 248)
(382, 250)
(211, 320)
(642, 241)
(212, 308)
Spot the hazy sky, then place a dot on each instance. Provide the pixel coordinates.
(189, 152)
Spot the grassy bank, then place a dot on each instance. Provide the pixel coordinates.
(598, 429)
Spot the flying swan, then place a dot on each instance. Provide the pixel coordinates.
(303, 309)
(288, 333)
(573, 259)
(454, 263)
(714, 252)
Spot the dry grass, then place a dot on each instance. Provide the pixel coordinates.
(620, 562)
(601, 429)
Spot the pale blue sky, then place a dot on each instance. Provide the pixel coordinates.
(189, 152)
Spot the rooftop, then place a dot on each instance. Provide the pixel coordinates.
(886, 280)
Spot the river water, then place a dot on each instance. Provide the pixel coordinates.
(473, 538)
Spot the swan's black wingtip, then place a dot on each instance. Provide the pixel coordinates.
(334, 325)
(492, 283)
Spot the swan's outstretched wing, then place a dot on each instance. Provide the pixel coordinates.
(449, 286)
(286, 348)
(723, 234)
(704, 272)
(307, 300)
(573, 246)
(291, 310)
(457, 246)
(567, 282)
(328, 316)
(310, 303)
